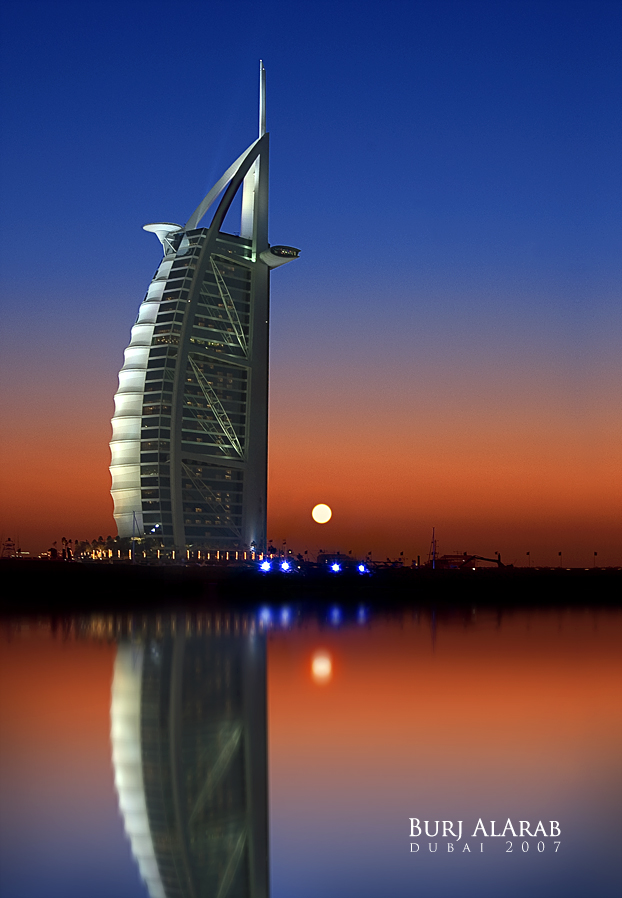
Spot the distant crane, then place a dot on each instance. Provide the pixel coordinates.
(457, 561)
(469, 558)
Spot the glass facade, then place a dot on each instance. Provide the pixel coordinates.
(213, 307)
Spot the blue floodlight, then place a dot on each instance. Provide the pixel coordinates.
(285, 566)
(362, 569)
(335, 567)
(265, 566)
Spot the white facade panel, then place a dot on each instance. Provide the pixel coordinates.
(125, 519)
(125, 501)
(128, 404)
(132, 381)
(165, 268)
(125, 429)
(148, 311)
(136, 357)
(141, 335)
(125, 452)
(125, 477)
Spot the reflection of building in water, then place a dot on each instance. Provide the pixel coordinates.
(188, 730)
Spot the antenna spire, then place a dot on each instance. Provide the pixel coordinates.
(262, 99)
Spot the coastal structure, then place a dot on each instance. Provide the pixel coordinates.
(190, 428)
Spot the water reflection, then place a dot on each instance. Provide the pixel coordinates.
(188, 732)
(372, 719)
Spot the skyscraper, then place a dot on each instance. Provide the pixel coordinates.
(190, 428)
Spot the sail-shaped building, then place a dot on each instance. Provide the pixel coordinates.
(190, 428)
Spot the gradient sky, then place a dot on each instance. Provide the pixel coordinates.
(446, 352)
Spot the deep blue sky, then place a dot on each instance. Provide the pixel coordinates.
(464, 141)
(449, 169)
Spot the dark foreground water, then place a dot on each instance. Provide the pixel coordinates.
(289, 754)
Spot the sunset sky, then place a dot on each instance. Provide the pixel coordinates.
(445, 352)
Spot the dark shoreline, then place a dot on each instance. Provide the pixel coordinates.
(32, 586)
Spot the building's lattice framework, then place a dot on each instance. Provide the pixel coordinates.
(215, 381)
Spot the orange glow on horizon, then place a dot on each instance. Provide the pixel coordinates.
(512, 470)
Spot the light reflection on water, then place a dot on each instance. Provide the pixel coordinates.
(371, 720)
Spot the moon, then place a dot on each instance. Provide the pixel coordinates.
(321, 514)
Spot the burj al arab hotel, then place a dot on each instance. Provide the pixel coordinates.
(190, 428)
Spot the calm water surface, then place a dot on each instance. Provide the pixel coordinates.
(288, 754)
